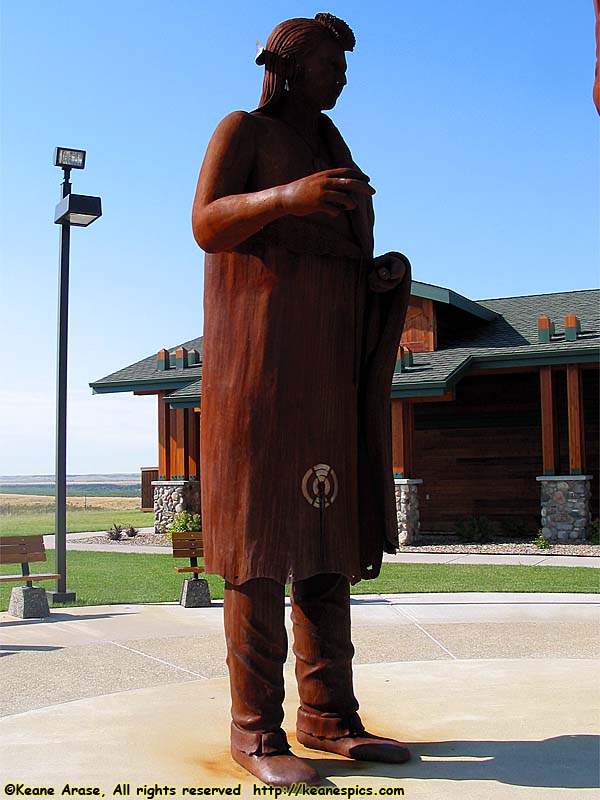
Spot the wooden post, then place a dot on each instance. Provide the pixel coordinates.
(173, 445)
(576, 429)
(549, 430)
(164, 439)
(402, 437)
(180, 456)
(193, 443)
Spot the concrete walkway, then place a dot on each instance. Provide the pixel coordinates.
(497, 694)
(542, 560)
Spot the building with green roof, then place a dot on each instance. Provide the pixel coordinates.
(494, 413)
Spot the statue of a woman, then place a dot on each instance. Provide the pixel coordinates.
(301, 331)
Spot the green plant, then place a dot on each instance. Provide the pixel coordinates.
(476, 529)
(131, 531)
(594, 532)
(541, 542)
(115, 533)
(183, 522)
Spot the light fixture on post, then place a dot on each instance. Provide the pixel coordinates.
(78, 210)
(67, 158)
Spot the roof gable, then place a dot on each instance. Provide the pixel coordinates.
(488, 333)
(447, 297)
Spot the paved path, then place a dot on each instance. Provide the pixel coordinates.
(542, 560)
(497, 694)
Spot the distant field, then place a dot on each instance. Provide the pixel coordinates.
(94, 503)
(121, 478)
(111, 490)
(16, 503)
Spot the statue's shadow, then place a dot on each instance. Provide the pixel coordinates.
(568, 762)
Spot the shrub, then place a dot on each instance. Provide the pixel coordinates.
(115, 533)
(541, 542)
(594, 532)
(131, 531)
(515, 527)
(183, 522)
(476, 529)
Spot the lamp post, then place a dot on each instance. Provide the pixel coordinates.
(79, 210)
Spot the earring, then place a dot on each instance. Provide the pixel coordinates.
(286, 86)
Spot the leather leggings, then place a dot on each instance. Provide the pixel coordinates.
(257, 649)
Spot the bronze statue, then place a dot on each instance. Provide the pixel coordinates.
(301, 331)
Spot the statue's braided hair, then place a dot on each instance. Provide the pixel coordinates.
(339, 29)
(286, 41)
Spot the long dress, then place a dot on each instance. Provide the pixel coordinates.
(297, 365)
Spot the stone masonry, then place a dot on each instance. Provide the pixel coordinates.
(565, 502)
(407, 509)
(171, 497)
(29, 602)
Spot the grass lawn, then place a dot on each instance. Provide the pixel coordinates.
(33, 522)
(105, 578)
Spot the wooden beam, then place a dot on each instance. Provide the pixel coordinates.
(576, 429)
(503, 371)
(164, 439)
(420, 327)
(141, 394)
(549, 430)
(180, 455)
(442, 398)
(173, 445)
(402, 437)
(193, 433)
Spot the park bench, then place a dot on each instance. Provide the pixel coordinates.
(26, 602)
(195, 592)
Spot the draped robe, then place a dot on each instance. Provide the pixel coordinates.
(298, 356)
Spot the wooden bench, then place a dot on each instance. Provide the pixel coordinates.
(194, 593)
(188, 544)
(25, 550)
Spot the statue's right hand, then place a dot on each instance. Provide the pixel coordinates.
(329, 192)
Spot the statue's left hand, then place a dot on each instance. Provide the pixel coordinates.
(388, 272)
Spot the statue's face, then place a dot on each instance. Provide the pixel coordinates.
(323, 75)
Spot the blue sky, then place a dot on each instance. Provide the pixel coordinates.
(473, 119)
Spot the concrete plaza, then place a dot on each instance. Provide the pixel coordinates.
(497, 694)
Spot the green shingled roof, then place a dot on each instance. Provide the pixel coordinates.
(188, 397)
(511, 339)
(145, 374)
(500, 333)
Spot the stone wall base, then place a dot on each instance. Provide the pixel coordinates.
(171, 497)
(565, 501)
(407, 509)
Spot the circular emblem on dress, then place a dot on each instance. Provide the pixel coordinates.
(320, 486)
